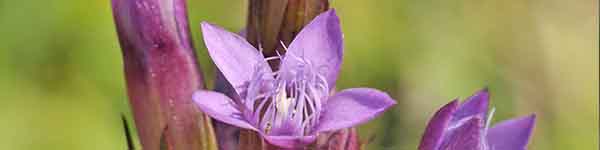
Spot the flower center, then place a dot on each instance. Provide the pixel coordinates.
(288, 101)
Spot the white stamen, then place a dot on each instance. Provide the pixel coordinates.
(294, 98)
(489, 118)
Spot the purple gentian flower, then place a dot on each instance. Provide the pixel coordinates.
(291, 106)
(465, 127)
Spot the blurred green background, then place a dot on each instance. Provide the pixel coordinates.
(63, 88)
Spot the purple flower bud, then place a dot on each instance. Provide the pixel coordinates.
(466, 127)
(161, 73)
(288, 107)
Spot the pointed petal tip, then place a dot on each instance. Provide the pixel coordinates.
(485, 89)
(529, 120)
(482, 97)
(331, 12)
(204, 25)
(392, 102)
(208, 27)
(477, 104)
(485, 93)
(533, 116)
(452, 106)
(454, 102)
(388, 99)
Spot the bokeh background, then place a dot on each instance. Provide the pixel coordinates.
(62, 86)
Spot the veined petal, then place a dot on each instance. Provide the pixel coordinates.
(511, 134)
(436, 126)
(287, 127)
(467, 135)
(320, 42)
(220, 107)
(232, 54)
(476, 105)
(351, 107)
(290, 141)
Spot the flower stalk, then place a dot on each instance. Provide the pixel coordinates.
(161, 72)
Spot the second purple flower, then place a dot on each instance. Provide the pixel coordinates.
(464, 127)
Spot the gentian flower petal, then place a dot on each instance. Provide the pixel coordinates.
(232, 54)
(511, 134)
(220, 107)
(319, 42)
(465, 136)
(437, 125)
(476, 105)
(290, 141)
(351, 107)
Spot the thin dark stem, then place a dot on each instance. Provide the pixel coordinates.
(130, 145)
